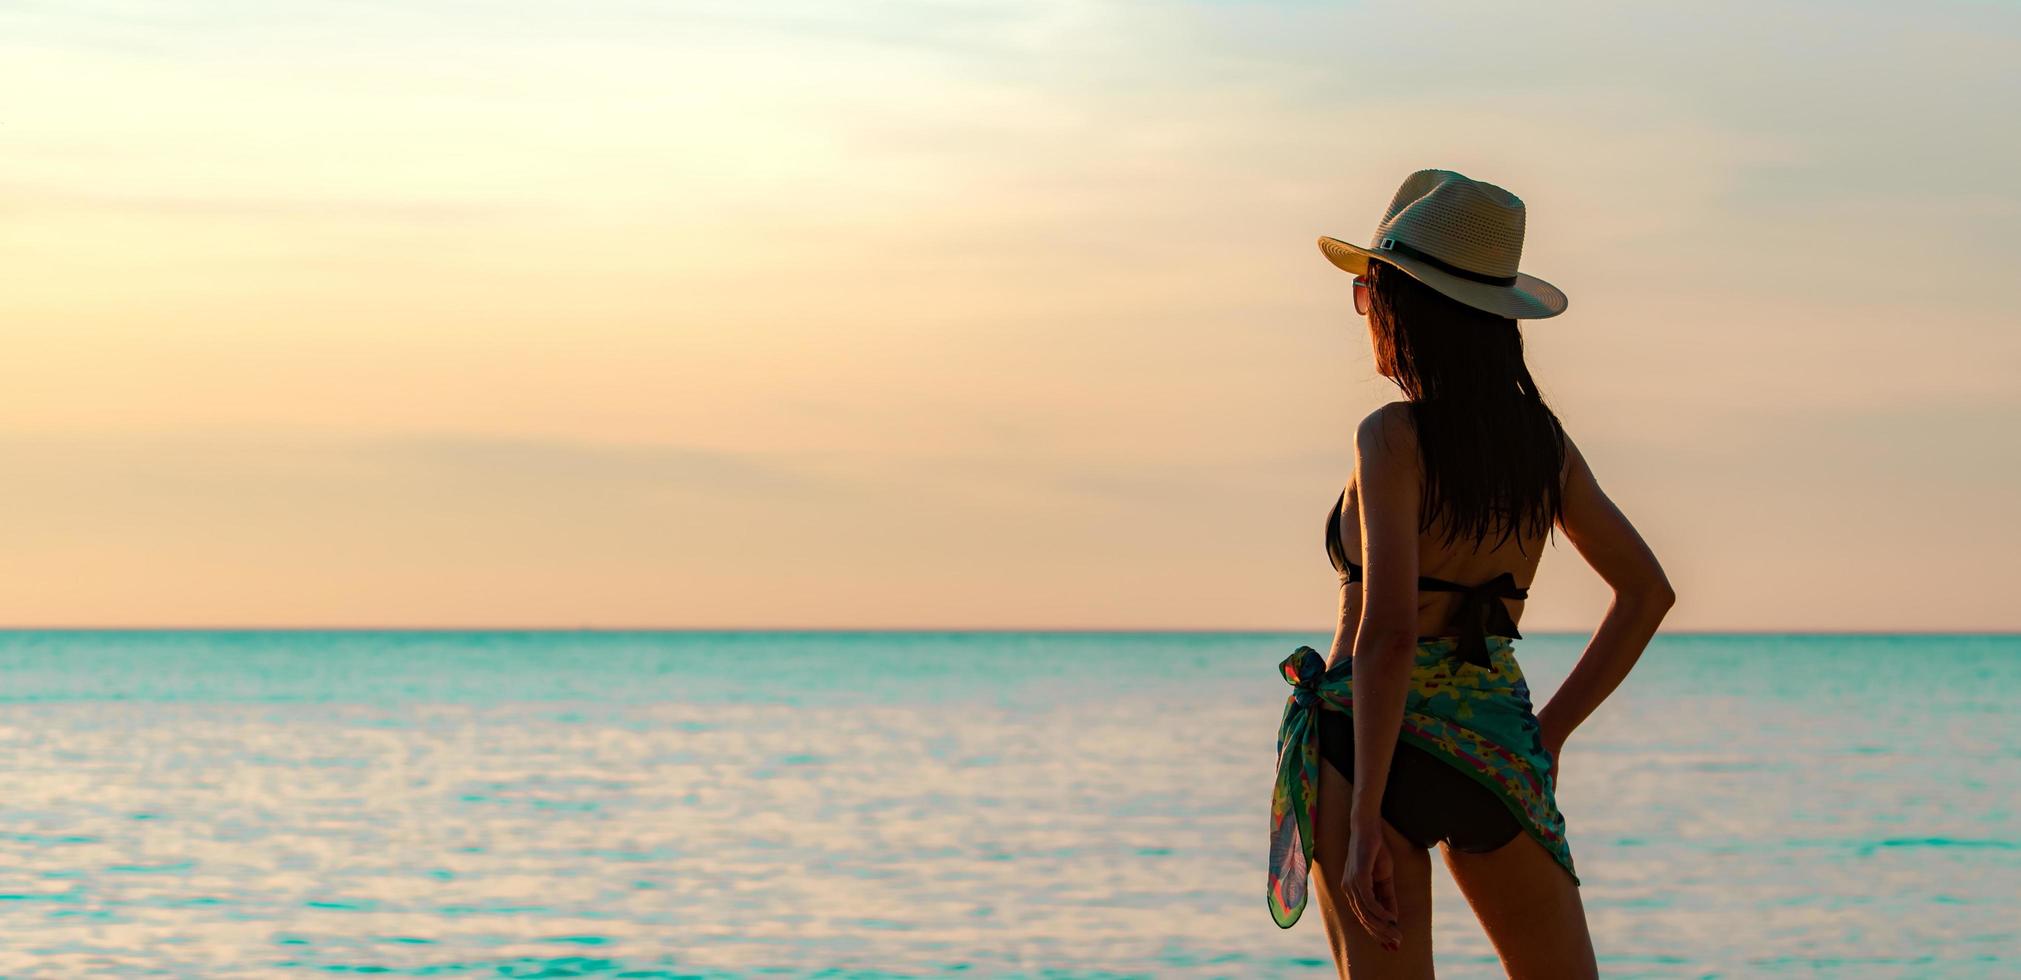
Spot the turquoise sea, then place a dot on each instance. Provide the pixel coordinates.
(213, 804)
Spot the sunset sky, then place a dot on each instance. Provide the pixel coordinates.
(971, 314)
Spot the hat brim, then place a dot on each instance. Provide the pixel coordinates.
(1529, 298)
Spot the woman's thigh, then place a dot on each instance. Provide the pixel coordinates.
(1355, 952)
(1529, 907)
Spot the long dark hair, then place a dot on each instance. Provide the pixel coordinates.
(1493, 451)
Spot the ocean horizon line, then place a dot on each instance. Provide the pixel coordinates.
(920, 630)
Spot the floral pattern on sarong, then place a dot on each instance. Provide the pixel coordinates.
(1475, 719)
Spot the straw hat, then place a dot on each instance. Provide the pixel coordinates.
(1461, 237)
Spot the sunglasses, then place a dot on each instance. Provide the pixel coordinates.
(1361, 295)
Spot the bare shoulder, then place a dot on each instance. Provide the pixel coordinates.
(1574, 462)
(1387, 433)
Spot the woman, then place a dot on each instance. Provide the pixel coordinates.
(1455, 490)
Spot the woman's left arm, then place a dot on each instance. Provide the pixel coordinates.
(1385, 647)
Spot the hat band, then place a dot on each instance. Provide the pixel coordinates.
(1392, 245)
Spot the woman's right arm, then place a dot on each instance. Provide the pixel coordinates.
(1642, 595)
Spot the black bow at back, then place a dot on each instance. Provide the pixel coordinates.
(1480, 613)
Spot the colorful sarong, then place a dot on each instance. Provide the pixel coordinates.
(1474, 718)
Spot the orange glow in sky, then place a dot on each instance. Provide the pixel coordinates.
(989, 314)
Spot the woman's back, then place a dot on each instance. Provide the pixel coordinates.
(1456, 561)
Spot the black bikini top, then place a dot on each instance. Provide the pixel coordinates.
(1480, 612)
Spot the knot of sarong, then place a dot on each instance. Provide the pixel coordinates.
(1296, 781)
(1302, 670)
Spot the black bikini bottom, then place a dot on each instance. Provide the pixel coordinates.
(1425, 799)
